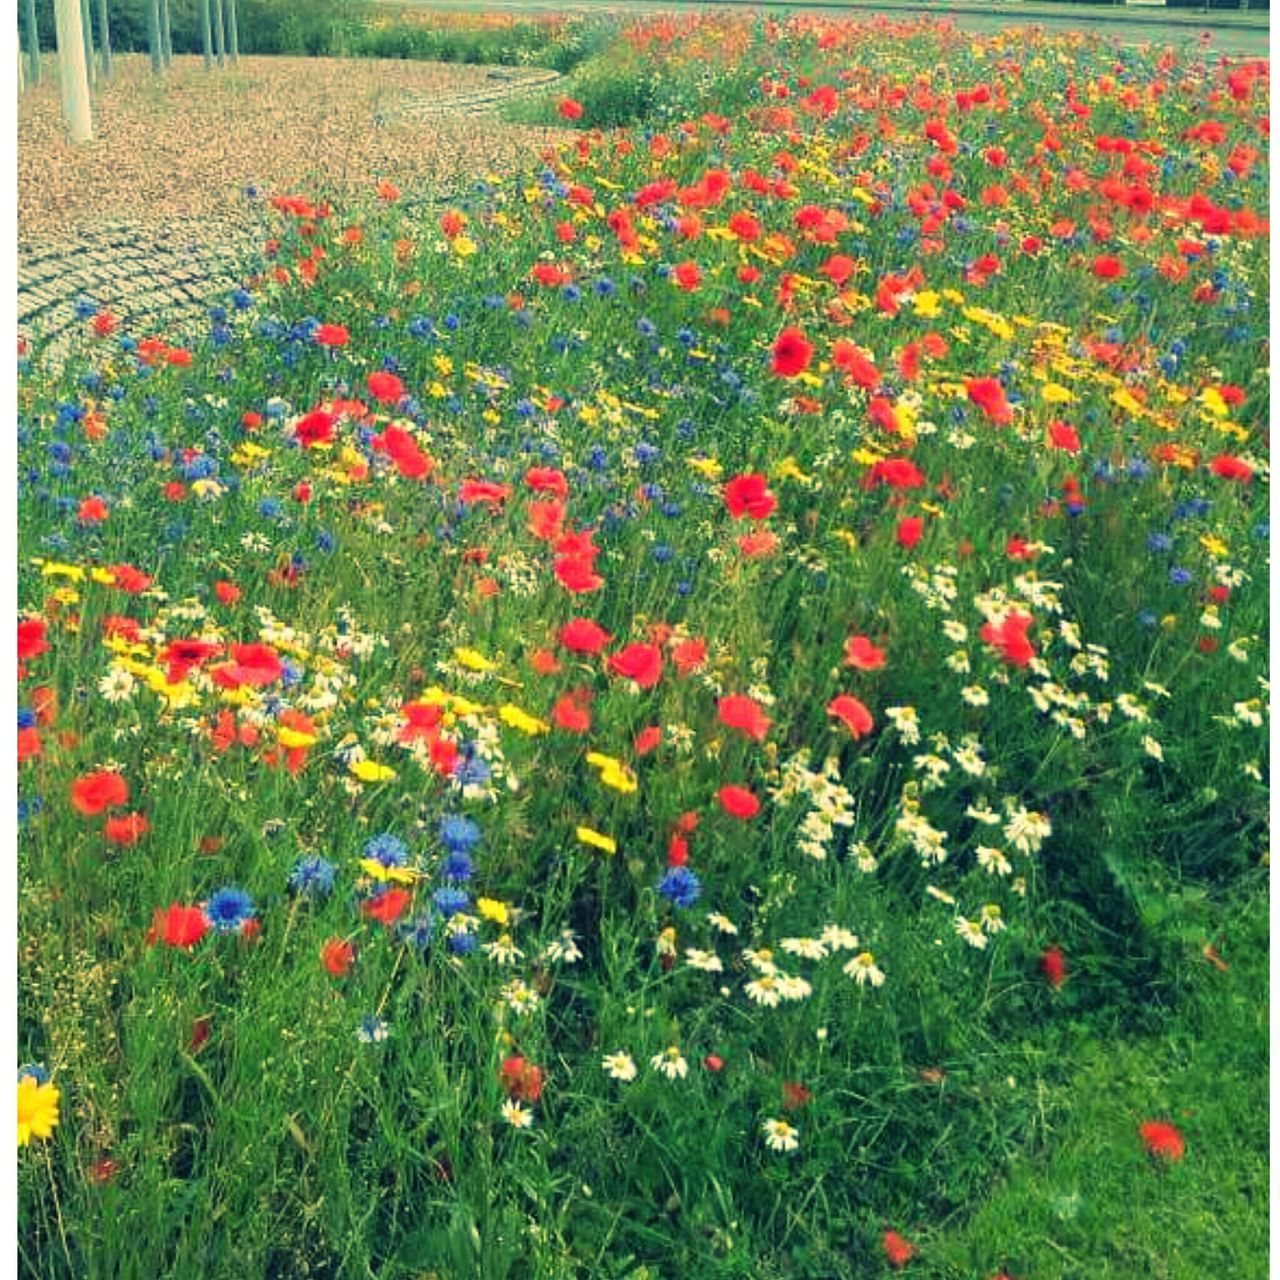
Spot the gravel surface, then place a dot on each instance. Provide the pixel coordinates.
(151, 217)
(187, 145)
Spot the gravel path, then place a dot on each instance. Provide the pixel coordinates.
(152, 216)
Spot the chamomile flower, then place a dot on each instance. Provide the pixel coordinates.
(838, 938)
(972, 932)
(805, 948)
(707, 961)
(671, 1063)
(863, 969)
(516, 1114)
(620, 1066)
(721, 923)
(781, 1136)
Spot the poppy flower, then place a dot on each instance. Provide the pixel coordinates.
(520, 1078)
(547, 480)
(386, 907)
(577, 574)
(29, 744)
(31, 639)
(639, 662)
(648, 739)
(95, 792)
(337, 956)
(332, 335)
(1162, 1140)
(581, 635)
(227, 592)
(759, 544)
(257, 665)
(1053, 964)
(898, 1249)
(1108, 267)
(127, 829)
(1065, 437)
(385, 387)
(546, 519)
(738, 802)
(569, 109)
(988, 395)
(484, 491)
(910, 531)
(1010, 638)
(795, 1095)
(689, 655)
(748, 495)
(178, 926)
(314, 428)
(791, 353)
(1231, 468)
(740, 712)
(453, 223)
(403, 450)
(687, 275)
(572, 711)
(852, 713)
(859, 652)
(93, 511)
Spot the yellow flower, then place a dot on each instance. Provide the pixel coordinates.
(522, 720)
(398, 875)
(1056, 393)
(473, 660)
(53, 569)
(37, 1109)
(103, 576)
(295, 739)
(928, 304)
(370, 771)
(493, 910)
(613, 773)
(596, 840)
(464, 246)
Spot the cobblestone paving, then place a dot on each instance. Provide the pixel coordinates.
(162, 276)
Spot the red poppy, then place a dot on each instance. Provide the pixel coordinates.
(93, 511)
(852, 713)
(581, 635)
(713, 1062)
(257, 665)
(337, 956)
(569, 109)
(740, 712)
(95, 792)
(385, 387)
(898, 1249)
(577, 574)
(859, 652)
(31, 639)
(1108, 267)
(403, 450)
(748, 495)
(227, 592)
(29, 744)
(547, 480)
(687, 275)
(520, 1078)
(738, 801)
(1010, 638)
(761, 543)
(572, 711)
(795, 1095)
(1162, 1140)
(127, 829)
(988, 395)
(791, 353)
(910, 531)
(332, 335)
(386, 907)
(178, 926)
(1053, 964)
(648, 739)
(485, 491)
(639, 662)
(1231, 468)
(689, 655)
(1065, 437)
(315, 428)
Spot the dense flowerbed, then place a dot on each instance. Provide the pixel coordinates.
(615, 727)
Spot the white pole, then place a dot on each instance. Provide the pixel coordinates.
(73, 72)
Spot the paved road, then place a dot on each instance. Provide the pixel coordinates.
(1232, 33)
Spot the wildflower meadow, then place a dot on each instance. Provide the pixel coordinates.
(696, 708)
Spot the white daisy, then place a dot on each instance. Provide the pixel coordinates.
(781, 1136)
(619, 1065)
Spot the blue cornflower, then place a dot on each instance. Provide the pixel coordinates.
(472, 772)
(1179, 577)
(458, 834)
(457, 867)
(26, 718)
(1147, 619)
(387, 850)
(680, 886)
(462, 944)
(449, 901)
(229, 909)
(372, 1030)
(419, 931)
(312, 876)
(1159, 542)
(37, 1071)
